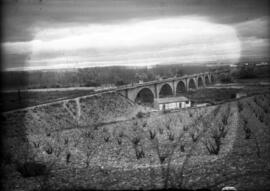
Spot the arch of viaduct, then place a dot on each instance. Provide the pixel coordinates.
(170, 86)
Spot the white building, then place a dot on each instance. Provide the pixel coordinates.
(140, 81)
(240, 94)
(172, 103)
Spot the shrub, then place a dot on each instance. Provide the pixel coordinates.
(240, 106)
(194, 135)
(139, 153)
(48, 149)
(222, 130)
(168, 126)
(106, 138)
(140, 114)
(36, 144)
(261, 118)
(118, 151)
(119, 141)
(162, 157)
(95, 127)
(31, 169)
(255, 100)
(245, 121)
(247, 133)
(216, 110)
(68, 157)
(121, 134)
(213, 146)
(185, 128)
(136, 140)
(66, 141)
(182, 148)
(160, 131)
(170, 136)
(246, 129)
(265, 109)
(89, 134)
(152, 133)
(144, 124)
(225, 120)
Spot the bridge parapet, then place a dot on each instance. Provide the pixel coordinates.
(131, 91)
(167, 80)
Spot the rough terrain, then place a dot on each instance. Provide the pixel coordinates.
(107, 142)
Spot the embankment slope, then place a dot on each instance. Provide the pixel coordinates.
(101, 143)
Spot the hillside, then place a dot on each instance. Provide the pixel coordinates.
(104, 143)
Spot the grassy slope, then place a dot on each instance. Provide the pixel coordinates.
(10, 101)
(91, 142)
(221, 93)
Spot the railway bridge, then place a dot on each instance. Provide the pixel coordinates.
(148, 91)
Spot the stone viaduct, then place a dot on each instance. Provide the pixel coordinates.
(168, 87)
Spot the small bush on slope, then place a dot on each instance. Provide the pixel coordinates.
(31, 169)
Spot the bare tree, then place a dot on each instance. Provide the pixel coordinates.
(57, 150)
(91, 147)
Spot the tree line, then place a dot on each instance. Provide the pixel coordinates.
(93, 77)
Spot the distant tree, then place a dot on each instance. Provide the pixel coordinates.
(225, 78)
(120, 83)
(92, 84)
(141, 76)
(179, 73)
(150, 75)
(247, 72)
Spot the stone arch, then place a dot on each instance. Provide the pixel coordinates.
(165, 91)
(207, 80)
(191, 84)
(145, 96)
(180, 87)
(200, 82)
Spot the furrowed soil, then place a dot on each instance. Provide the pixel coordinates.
(107, 142)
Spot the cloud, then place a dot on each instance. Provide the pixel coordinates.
(258, 28)
(255, 47)
(20, 16)
(254, 35)
(148, 42)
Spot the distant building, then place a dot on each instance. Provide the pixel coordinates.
(233, 65)
(140, 81)
(240, 94)
(172, 103)
(262, 64)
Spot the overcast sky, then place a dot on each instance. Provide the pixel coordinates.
(44, 34)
